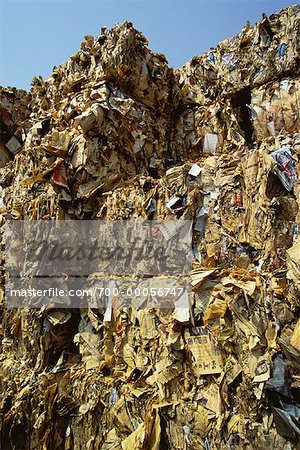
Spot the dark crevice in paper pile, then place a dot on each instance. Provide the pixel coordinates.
(115, 133)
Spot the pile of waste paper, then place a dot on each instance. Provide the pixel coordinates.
(117, 134)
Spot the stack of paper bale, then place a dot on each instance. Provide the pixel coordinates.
(115, 133)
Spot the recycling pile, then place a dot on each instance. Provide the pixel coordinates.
(115, 133)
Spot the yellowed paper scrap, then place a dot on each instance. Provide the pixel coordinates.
(207, 358)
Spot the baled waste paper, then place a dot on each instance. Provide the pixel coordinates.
(117, 134)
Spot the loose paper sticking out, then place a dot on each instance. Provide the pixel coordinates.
(284, 84)
(271, 126)
(195, 170)
(182, 310)
(108, 312)
(173, 202)
(138, 145)
(13, 145)
(215, 194)
(206, 355)
(210, 143)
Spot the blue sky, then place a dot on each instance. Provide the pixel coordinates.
(36, 35)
